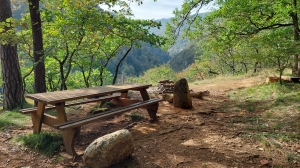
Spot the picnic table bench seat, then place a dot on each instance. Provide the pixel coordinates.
(70, 128)
(51, 107)
(105, 114)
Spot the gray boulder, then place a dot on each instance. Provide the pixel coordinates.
(109, 149)
(181, 95)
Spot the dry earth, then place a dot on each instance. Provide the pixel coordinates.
(201, 137)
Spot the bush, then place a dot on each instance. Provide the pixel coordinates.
(46, 143)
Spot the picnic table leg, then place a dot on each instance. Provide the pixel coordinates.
(61, 113)
(37, 118)
(124, 94)
(69, 136)
(151, 110)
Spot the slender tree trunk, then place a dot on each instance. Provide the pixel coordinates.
(118, 66)
(294, 15)
(11, 74)
(39, 69)
(255, 67)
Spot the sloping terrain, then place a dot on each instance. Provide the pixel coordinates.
(209, 135)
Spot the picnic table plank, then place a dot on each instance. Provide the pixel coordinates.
(67, 95)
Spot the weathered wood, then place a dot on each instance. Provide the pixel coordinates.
(70, 129)
(51, 107)
(67, 95)
(37, 118)
(61, 113)
(124, 101)
(144, 94)
(93, 118)
(50, 120)
(68, 137)
(33, 109)
(151, 110)
(295, 79)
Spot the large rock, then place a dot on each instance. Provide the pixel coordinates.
(181, 96)
(109, 149)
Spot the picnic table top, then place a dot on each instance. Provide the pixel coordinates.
(66, 95)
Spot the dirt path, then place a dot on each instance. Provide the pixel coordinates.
(204, 136)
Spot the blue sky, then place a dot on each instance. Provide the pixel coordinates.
(159, 9)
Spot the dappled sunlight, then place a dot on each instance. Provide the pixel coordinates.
(175, 160)
(145, 130)
(192, 142)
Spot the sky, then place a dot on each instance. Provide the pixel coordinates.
(159, 9)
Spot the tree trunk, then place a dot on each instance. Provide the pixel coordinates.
(118, 65)
(11, 74)
(294, 15)
(39, 69)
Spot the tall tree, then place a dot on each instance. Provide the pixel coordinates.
(241, 18)
(38, 53)
(11, 75)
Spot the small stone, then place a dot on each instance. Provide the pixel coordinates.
(264, 162)
(65, 155)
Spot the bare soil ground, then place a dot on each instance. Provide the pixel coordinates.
(204, 136)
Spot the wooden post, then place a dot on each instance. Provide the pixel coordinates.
(37, 118)
(153, 110)
(69, 136)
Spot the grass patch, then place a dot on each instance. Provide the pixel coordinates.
(45, 143)
(12, 118)
(275, 111)
(135, 117)
(282, 137)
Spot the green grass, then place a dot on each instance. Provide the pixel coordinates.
(12, 118)
(46, 143)
(278, 106)
(135, 117)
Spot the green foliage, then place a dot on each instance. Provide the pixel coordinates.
(80, 39)
(154, 75)
(139, 60)
(183, 59)
(135, 117)
(278, 103)
(11, 118)
(241, 36)
(46, 143)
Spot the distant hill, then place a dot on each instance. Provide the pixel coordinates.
(146, 57)
(140, 60)
(183, 59)
(180, 44)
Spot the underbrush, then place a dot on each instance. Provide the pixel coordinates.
(46, 143)
(270, 115)
(12, 118)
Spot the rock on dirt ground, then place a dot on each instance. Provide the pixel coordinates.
(199, 137)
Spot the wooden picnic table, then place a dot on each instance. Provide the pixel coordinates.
(58, 100)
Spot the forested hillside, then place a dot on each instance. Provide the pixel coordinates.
(183, 59)
(139, 60)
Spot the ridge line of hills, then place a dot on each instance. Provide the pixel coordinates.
(179, 56)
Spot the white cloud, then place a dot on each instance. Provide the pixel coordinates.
(157, 10)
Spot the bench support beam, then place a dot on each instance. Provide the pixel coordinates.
(37, 118)
(152, 110)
